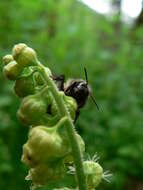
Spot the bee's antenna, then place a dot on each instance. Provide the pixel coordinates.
(93, 99)
(86, 77)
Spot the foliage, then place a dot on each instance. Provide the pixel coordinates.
(67, 35)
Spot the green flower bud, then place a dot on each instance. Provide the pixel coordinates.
(24, 55)
(93, 172)
(45, 173)
(44, 145)
(33, 108)
(7, 59)
(24, 86)
(29, 82)
(12, 70)
(17, 49)
(39, 109)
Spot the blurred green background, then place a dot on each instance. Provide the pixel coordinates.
(67, 35)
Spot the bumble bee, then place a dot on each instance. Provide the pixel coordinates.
(76, 88)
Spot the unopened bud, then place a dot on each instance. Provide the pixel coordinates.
(12, 70)
(40, 140)
(93, 172)
(24, 55)
(45, 173)
(7, 59)
(24, 86)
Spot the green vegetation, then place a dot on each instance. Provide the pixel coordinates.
(67, 36)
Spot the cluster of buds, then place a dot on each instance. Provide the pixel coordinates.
(48, 150)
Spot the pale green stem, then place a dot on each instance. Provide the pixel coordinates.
(82, 184)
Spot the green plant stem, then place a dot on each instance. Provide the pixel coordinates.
(82, 184)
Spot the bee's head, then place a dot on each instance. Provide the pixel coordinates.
(80, 87)
(79, 90)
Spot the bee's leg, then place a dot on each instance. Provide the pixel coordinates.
(60, 79)
(76, 115)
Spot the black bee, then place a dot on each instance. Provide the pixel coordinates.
(76, 88)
